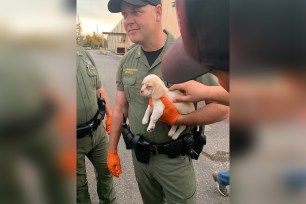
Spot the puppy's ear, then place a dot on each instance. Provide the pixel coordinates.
(159, 90)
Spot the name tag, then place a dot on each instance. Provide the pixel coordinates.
(129, 70)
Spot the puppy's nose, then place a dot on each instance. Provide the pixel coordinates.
(141, 91)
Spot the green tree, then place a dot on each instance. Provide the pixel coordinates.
(95, 41)
(79, 29)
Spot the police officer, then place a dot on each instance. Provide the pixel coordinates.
(92, 140)
(161, 178)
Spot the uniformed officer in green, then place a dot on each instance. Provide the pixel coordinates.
(162, 178)
(92, 140)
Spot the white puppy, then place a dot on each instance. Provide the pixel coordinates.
(154, 87)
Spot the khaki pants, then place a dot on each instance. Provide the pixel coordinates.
(165, 180)
(94, 146)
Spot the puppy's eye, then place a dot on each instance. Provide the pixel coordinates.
(149, 87)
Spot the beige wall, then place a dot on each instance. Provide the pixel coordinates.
(169, 22)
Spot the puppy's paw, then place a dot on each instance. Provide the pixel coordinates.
(175, 136)
(150, 128)
(171, 133)
(145, 121)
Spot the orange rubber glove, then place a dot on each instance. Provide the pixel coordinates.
(170, 114)
(108, 123)
(113, 163)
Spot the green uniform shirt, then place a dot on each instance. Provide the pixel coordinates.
(132, 70)
(88, 82)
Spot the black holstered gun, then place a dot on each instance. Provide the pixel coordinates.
(199, 141)
(188, 143)
(101, 112)
(127, 134)
(101, 105)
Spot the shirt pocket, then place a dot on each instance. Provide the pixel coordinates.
(127, 83)
(92, 75)
(132, 90)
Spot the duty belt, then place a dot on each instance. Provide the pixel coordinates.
(156, 149)
(190, 144)
(92, 125)
(143, 148)
(83, 130)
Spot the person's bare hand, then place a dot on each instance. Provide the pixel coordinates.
(194, 91)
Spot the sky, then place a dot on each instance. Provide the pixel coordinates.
(55, 17)
(36, 16)
(94, 13)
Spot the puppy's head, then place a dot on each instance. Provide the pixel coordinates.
(153, 86)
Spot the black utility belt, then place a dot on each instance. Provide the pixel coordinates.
(83, 130)
(91, 126)
(190, 144)
(144, 149)
(172, 149)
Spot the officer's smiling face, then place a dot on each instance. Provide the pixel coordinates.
(139, 22)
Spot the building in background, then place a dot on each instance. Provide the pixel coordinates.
(118, 41)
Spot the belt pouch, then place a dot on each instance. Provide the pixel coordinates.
(174, 149)
(142, 151)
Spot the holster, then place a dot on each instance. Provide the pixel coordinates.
(199, 142)
(127, 136)
(136, 142)
(101, 113)
(101, 104)
(142, 149)
(188, 142)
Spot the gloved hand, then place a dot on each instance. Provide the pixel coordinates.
(108, 123)
(170, 114)
(113, 163)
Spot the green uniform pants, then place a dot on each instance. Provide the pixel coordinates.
(94, 146)
(167, 179)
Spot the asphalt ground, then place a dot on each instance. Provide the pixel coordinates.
(215, 155)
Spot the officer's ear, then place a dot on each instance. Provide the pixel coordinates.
(159, 12)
